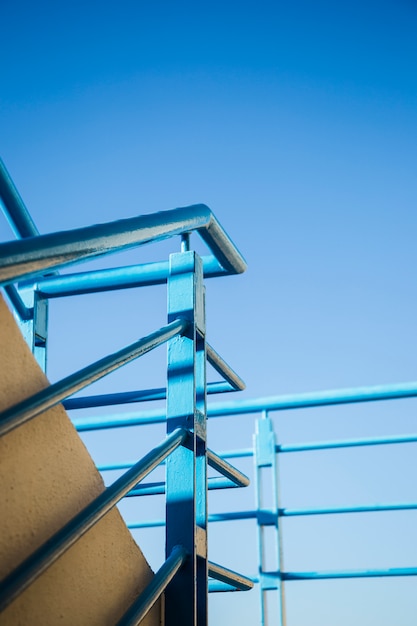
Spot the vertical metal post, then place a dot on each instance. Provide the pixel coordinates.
(186, 469)
(267, 502)
(35, 329)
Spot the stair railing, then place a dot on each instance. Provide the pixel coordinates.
(25, 262)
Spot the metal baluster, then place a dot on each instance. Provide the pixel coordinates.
(268, 516)
(186, 469)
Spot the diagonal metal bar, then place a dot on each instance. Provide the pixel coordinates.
(52, 395)
(155, 589)
(29, 257)
(14, 207)
(228, 576)
(28, 571)
(226, 469)
(224, 369)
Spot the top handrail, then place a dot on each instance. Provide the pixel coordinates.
(27, 257)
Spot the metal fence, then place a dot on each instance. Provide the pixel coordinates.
(28, 272)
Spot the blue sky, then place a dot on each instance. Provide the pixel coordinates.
(297, 124)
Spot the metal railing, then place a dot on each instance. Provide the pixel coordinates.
(184, 575)
(23, 265)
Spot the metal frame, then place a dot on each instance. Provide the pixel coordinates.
(184, 575)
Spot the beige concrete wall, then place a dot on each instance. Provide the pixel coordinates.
(46, 477)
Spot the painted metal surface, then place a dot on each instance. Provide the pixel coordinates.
(267, 505)
(30, 257)
(257, 405)
(130, 397)
(150, 489)
(228, 576)
(186, 470)
(227, 470)
(128, 277)
(186, 482)
(186, 570)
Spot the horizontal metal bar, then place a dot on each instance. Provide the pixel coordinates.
(248, 452)
(141, 607)
(52, 395)
(103, 422)
(325, 445)
(126, 464)
(146, 524)
(269, 517)
(29, 257)
(214, 517)
(368, 573)
(266, 516)
(232, 516)
(152, 489)
(273, 403)
(222, 466)
(215, 586)
(338, 510)
(26, 573)
(14, 208)
(228, 576)
(347, 443)
(128, 277)
(315, 399)
(224, 369)
(130, 397)
(236, 454)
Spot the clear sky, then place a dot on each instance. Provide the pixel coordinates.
(296, 122)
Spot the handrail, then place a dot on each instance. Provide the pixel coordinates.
(31, 407)
(28, 257)
(28, 571)
(141, 607)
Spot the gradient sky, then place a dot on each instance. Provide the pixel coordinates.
(297, 124)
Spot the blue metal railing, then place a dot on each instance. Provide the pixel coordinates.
(184, 575)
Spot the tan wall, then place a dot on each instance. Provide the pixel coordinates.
(46, 477)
